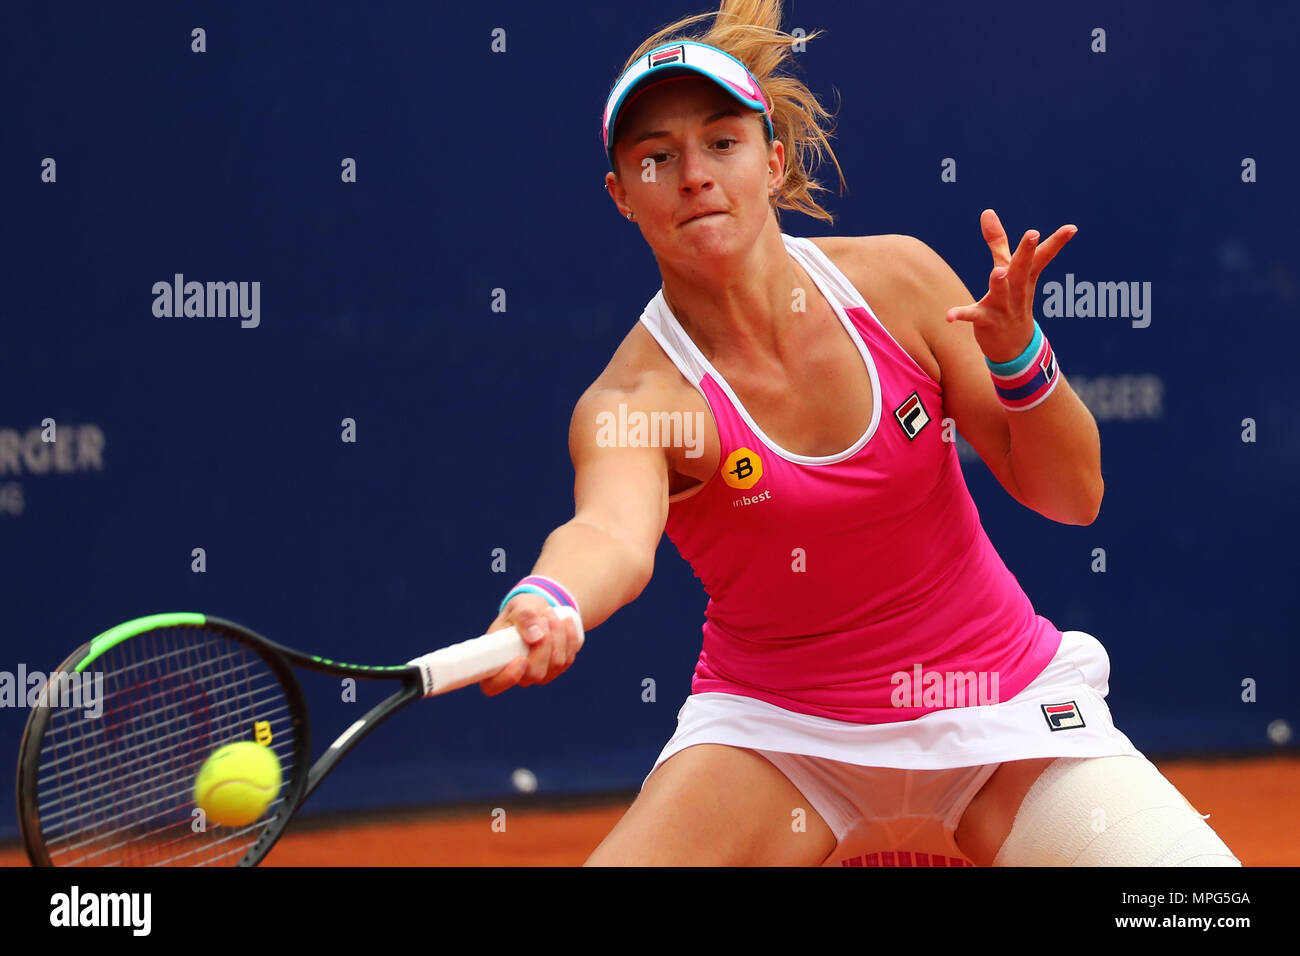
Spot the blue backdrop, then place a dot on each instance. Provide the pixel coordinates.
(481, 170)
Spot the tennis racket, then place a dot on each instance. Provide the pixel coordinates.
(115, 787)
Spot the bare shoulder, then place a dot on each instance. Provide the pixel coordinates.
(893, 262)
(640, 377)
(640, 367)
(896, 275)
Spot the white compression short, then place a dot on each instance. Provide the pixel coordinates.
(1109, 811)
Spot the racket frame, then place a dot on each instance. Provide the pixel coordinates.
(278, 659)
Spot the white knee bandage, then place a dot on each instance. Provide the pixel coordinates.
(1109, 811)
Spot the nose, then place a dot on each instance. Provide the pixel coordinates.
(695, 174)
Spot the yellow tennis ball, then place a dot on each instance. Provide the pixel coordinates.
(237, 783)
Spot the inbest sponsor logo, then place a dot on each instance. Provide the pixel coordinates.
(923, 688)
(651, 430)
(1085, 300)
(84, 690)
(209, 300)
(75, 908)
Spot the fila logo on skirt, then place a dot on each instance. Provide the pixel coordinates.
(911, 416)
(1063, 716)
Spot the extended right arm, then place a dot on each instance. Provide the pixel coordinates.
(604, 556)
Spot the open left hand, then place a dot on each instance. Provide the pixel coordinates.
(1004, 318)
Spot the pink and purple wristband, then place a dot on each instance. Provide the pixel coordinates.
(548, 588)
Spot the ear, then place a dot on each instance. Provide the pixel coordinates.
(617, 193)
(775, 165)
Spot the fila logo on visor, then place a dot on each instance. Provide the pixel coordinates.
(676, 54)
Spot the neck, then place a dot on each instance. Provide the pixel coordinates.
(737, 308)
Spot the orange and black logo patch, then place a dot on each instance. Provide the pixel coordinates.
(742, 469)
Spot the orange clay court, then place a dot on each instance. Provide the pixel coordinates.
(1249, 801)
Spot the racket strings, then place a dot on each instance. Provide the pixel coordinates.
(105, 798)
(117, 789)
(169, 721)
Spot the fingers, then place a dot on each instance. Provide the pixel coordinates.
(1023, 261)
(1043, 253)
(963, 313)
(1031, 256)
(574, 642)
(539, 655)
(559, 652)
(505, 678)
(552, 645)
(520, 614)
(996, 237)
(1048, 249)
(1013, 278)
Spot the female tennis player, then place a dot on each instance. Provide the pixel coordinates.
(872, 678)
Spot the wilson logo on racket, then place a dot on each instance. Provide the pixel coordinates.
(1063, 716)
(262, 732)
(912, 416)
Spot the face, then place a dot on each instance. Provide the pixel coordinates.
(694, 170)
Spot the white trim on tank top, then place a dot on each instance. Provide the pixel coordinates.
(683, 351)
(849, 291)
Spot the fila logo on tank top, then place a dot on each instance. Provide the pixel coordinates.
(827, 574)
(912, 416)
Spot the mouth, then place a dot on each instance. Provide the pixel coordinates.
(703, 215)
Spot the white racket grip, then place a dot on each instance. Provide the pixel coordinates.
(469, 662)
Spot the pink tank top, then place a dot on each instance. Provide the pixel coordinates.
(858, 586)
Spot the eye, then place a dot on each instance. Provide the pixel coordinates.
(728, 140)
(658, 158)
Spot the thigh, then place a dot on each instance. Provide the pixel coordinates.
(987, 821)
(714, 805)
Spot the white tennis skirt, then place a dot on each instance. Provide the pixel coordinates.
(1061, 713)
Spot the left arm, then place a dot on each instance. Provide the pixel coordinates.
(1047, 457)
